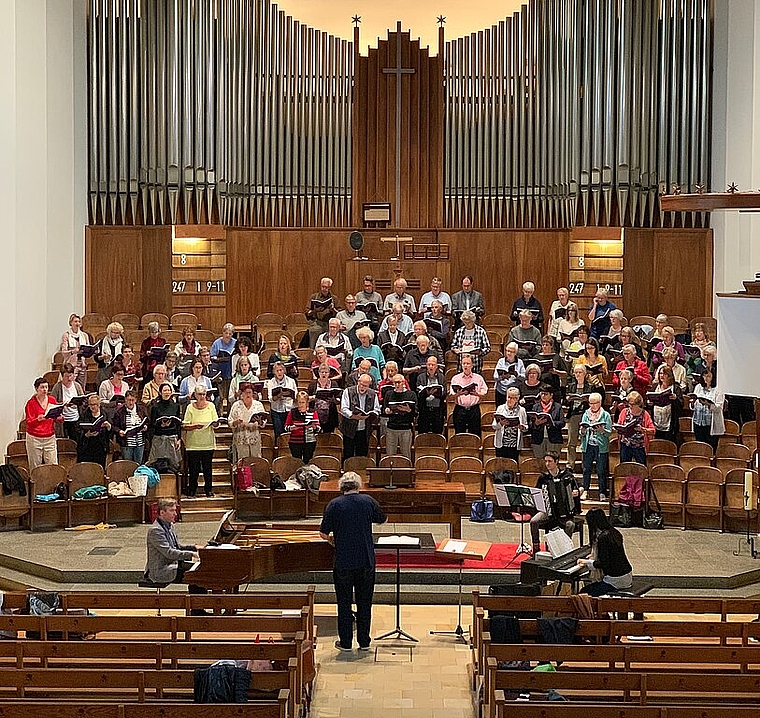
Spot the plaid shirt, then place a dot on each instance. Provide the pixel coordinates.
(479, 341)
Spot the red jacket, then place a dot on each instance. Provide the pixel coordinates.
(41, 429)
(641, 376)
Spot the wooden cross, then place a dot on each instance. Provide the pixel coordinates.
(398, 71)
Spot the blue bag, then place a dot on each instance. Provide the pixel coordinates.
(481, 511)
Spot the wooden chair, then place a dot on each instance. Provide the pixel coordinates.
(180, 320)
(67, 452)
(749, 435)
(306, 356)
(735, 517)
(680, 326)
(685, 428)
(531, 464)
(498, 321)
(429, 444)
(296, 321)
(330, 445)
(732, 456)
(329, 464)
(15, 453)
(51, 377)
(467, 470)
(694, 453)
(623, 469)
(286, 466)
(732, 434)
(120, 470)
(13, 506)
(205, 337)
(704, 497)
(662, 446)
(469, 445)
(172, 336)
(127, 320)
(162, 319)
(431, 463)
(669, 484)
(359, 464)
(123, 509)
(489, 450)
(95, 319)
(267, 446)
(399, 462)
(43, 480)
(86, 511)
(261, 469)
(135, 337)
(269, 320)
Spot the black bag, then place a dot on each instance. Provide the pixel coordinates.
(515, 589)
(621, 516)
(481, 511)
(504, 476)
(63, 491)
(653, 518)
(276, 483)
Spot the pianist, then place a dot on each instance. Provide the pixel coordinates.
(347, 524)
(168, 560)
(607, 556)
(561, 495)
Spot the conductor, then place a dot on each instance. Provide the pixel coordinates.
(168, 560)
(347, 524)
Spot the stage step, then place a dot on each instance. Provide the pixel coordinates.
(207, 509)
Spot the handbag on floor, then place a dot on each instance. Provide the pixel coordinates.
(481, 511)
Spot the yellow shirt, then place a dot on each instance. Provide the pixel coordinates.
(200, 439)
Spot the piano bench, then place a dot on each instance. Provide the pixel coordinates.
(145, 582)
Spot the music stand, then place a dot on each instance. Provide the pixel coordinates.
(460, 550)
(519, 498)
(386, 542)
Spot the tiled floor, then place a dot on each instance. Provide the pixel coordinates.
(433, 684)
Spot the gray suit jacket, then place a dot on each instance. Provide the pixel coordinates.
(165, 552)
(459, 301)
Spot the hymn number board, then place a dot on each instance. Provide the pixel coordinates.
(199, 273)
(596, 262)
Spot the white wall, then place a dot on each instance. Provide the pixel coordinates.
(42, 187)
(736, 138)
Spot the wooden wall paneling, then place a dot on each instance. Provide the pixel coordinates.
(411, 149)
(683, 263)
(668, 270)
(157, 270)
(113, 270)
(374, 136)
(500, 261)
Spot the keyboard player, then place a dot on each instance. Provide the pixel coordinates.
(607, 556)
(562, 499)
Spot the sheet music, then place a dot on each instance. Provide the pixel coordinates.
(394, 540)
(558, 542)
(455, 546)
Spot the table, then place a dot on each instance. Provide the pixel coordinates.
(425, 502)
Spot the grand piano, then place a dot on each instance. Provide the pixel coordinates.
(244, 552)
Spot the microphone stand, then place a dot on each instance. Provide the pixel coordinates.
(391, 486)
(749, 540)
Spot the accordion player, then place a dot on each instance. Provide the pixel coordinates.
(562, 499)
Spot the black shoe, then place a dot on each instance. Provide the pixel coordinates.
(341, 647)
(364, 648)
(209, 494)
(200, 612)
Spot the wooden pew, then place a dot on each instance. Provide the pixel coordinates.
(635, 687)
(276, 708)
(518, 709)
